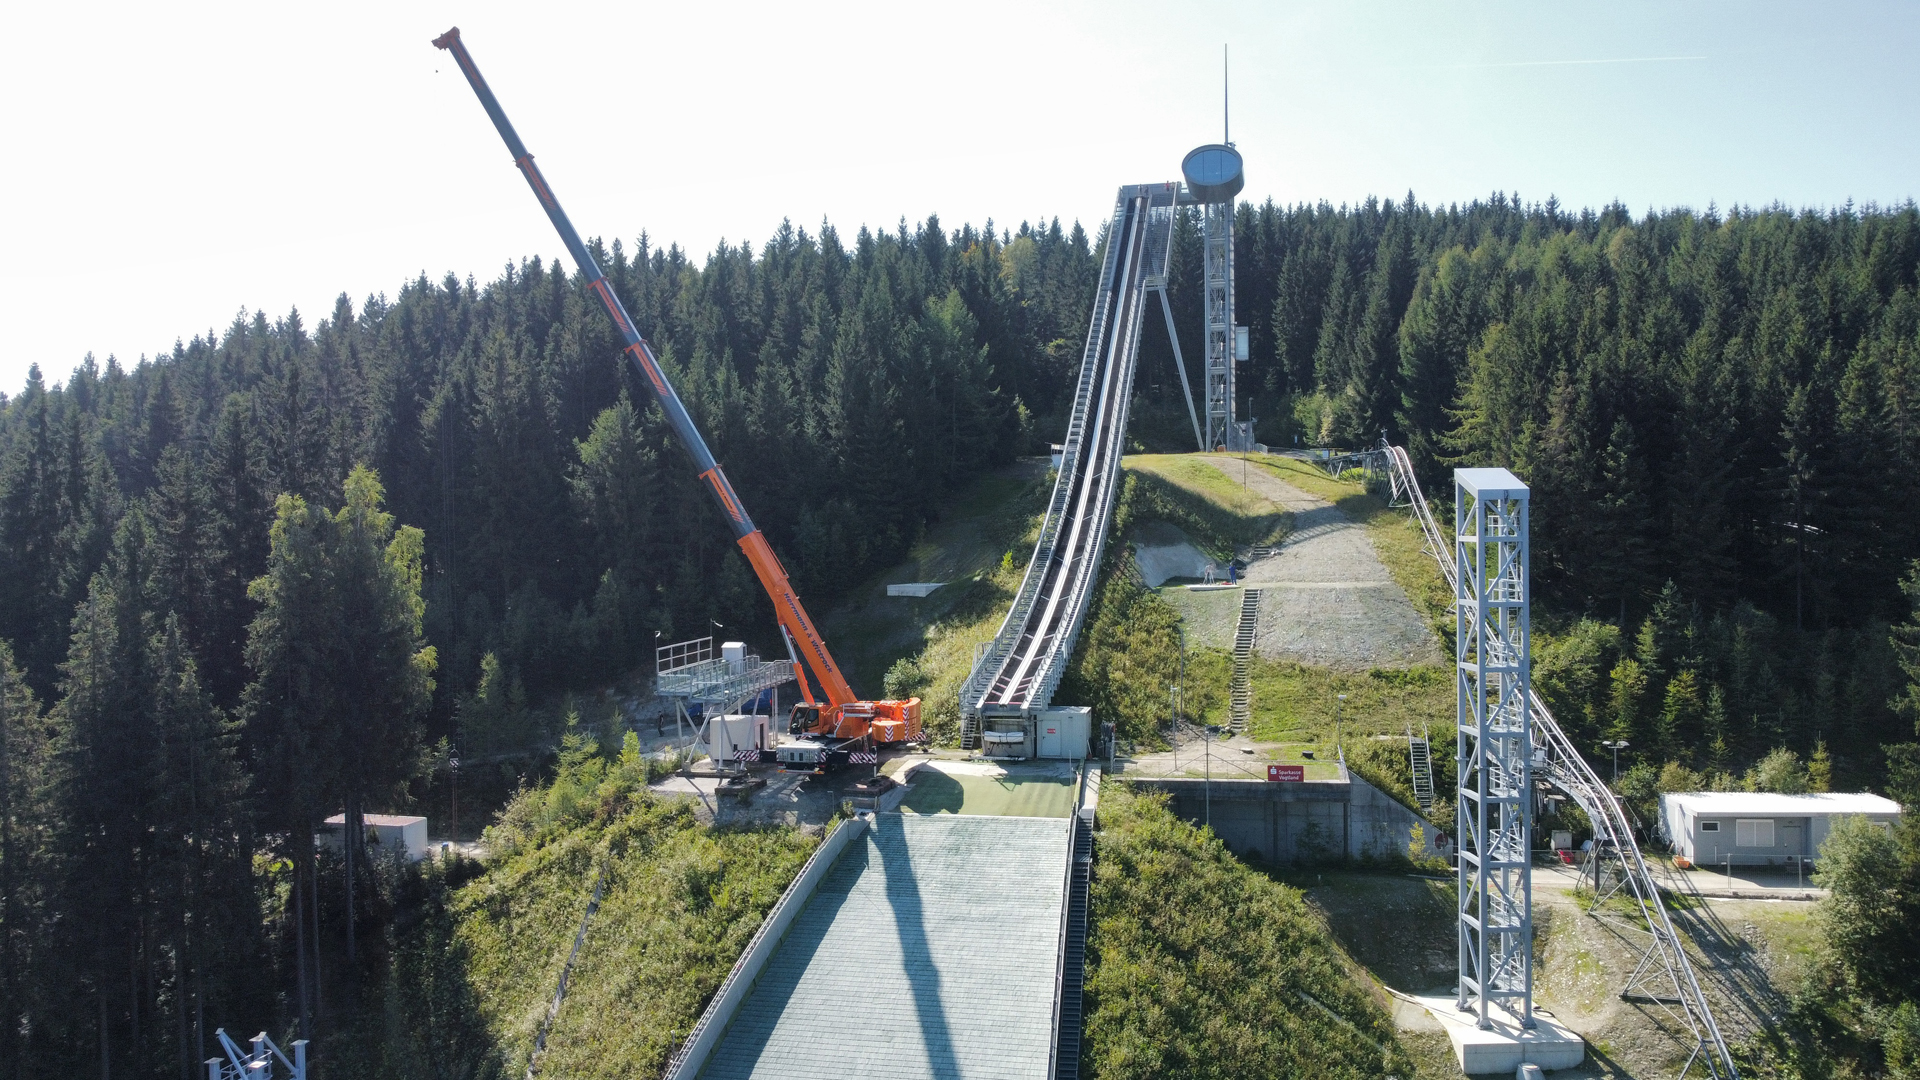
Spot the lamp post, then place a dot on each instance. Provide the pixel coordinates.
(1206, 744)
(453, 789)
(1173, 716)
(1338, 700)
(1616, 745)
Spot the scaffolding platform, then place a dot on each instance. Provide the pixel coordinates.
(690, 671)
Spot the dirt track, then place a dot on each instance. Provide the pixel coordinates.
(1326, 600)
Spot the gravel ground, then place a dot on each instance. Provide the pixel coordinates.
(1326, 599)
(1581, 964)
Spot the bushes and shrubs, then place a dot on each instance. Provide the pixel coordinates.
(476, 952)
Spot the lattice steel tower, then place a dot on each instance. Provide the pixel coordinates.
(1494, 751)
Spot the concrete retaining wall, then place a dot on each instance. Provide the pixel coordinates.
(1312, 821)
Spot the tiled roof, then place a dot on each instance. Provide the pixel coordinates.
(928, 951)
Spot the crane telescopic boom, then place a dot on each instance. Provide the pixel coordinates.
(773, 577)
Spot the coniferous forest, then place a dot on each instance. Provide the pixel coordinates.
(246, 584)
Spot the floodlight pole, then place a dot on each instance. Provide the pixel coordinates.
(1616, 745)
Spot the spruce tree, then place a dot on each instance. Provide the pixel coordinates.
(26, 779)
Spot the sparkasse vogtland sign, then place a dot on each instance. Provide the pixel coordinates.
(1294, 773)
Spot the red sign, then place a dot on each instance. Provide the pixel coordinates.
(1293, 773)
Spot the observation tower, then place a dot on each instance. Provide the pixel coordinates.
(1214, 175)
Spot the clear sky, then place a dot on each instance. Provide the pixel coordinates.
(171, 165)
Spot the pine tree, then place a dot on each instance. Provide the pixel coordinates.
(25, 869)
(31, 517)
(104, 741)
(238, 515)
(343, 675)
(186, 556)
(290, 708)
(200, 935)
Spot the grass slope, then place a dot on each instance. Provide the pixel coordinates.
(1186, 492)
(1201, 967)
(924, 645)
(681, 902)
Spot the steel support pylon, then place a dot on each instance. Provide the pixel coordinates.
(1493, 749)
(1217, 227)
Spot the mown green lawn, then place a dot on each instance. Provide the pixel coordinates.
(936, 792)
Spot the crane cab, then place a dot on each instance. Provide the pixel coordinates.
(825, 737)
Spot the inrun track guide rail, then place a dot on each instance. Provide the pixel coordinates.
(1019, 670)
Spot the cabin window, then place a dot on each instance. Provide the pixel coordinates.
(1753, 832)
(1709, 826)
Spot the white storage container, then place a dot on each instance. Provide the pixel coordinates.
(1065, 732)
(728, 737)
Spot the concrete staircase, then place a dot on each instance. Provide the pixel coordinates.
(1240, 712)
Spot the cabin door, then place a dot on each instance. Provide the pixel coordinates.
(1791, 835)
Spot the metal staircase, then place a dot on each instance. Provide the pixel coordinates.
(1420, 754)
(1073, 966)
(970, 727)
(1240, 712)
(1665, 976)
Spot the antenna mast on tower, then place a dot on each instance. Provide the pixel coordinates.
(1213, 175)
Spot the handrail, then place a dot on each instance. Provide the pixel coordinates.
(1060, 945)
(1028, 657)
(1087, 786)
(1568, 770)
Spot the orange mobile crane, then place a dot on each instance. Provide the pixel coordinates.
(831, 732)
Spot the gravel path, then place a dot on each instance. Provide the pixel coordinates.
(1326, 600)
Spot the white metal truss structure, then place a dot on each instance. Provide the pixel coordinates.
(1495, 817)
(1217, 227)
(688, 671)
(1664, 977)
(258, 1062)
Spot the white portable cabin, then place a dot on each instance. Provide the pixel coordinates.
(1711, 828)
(1059, 732)
(729, 737)
(393, 835)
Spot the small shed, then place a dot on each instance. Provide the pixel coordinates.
(1065, 732)
(1058, 732)
(736, 738)
(387, 834)
(1713, 828)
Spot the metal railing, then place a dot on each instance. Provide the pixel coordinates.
(1028, 656)
(988, 664)
(1079, 829)
(1664, 965)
